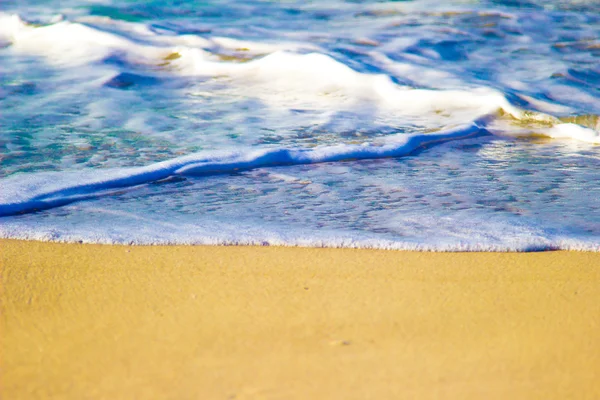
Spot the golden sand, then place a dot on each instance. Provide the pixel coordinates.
(117, 322)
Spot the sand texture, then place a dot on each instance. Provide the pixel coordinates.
(117, 322)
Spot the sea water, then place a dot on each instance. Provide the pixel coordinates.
(433, 125)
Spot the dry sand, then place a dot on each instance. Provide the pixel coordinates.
(117, 322)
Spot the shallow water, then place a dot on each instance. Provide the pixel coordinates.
(467, 125)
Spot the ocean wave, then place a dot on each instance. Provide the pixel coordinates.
(224, 105)
(30, 192)
(274, 74)
(280, 75)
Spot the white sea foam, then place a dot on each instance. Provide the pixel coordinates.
(119, 230)
(280, 79)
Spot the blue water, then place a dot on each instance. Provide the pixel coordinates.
(461, 125)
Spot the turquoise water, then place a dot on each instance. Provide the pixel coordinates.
(463, 125)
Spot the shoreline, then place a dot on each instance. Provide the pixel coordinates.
(340, 244)
(232, 322)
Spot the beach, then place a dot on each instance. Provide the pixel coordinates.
(300, 200)
(182, 322)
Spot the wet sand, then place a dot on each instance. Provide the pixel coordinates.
(176, 322)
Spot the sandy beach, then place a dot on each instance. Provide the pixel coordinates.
(119, 322)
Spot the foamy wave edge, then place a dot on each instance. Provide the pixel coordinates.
(22, 193)
(554, 243)
(308, 75)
